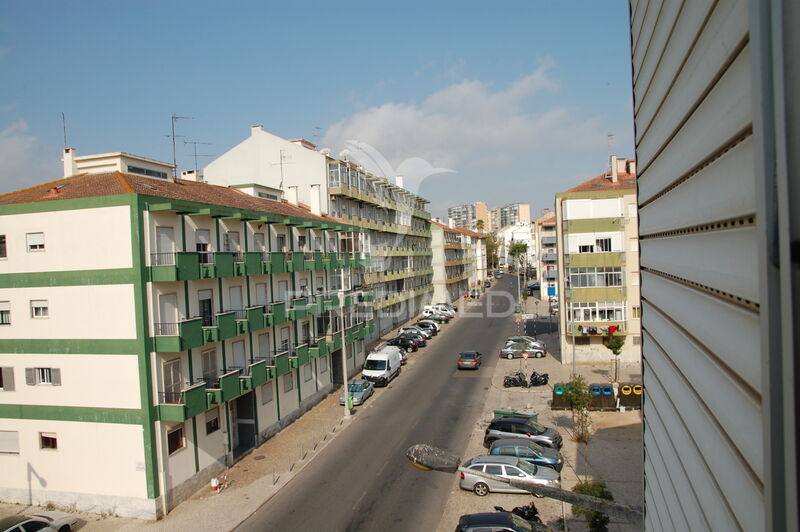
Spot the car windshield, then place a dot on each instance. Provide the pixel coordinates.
(520, 523)
(355, 387)
(527, 468)
(375, 364)
(537, 428)
(467, 356)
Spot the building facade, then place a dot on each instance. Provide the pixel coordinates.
(598, 258)
(545, 241)
(517, 233)
(396, 224)
(714, 92)
(154, 329)
(467, 216)
(511, 214)
(456, 266)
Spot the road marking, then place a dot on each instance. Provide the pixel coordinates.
(382, 468)
(359, 500)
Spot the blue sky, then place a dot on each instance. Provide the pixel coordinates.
(516, 97)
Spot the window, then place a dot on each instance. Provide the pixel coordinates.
(39, 308)
(323, 364)
(5, 313)
(7, 379)
(212, 420)
(586, 249)
(603, 244)
(636, 312)
(308, 374)
(35, 241)
(9, 442)
(146, 171)
(266, 393)
(288, 383)
(3, 247)
(48, 440)
(175, 440)
(209, 366)
(637, 340)
(493, 469)
(34, 376)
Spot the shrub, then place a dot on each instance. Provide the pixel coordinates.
(598, 522)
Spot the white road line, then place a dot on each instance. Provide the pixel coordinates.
(359, 500)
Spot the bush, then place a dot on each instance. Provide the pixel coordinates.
(579, 397)
(598, 522)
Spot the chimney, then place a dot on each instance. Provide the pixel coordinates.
(399, 181)
(614, 175)
(315, 201)
(291, 194)
(192, 175)
(70, 168)
(631, 164)
(255, 129)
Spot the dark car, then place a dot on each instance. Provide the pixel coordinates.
(521, 427)
(419, 337)
(428, 326)
(529, 451)
(469, 360)
(487, 284)
(494, 521)
(404, 342)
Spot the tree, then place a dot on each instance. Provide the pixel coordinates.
(491, 251)
(518, 251)
(479, 225)
(579, 396)
(614, 344)
(598, 522)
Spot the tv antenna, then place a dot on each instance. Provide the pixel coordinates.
(610, 142)
(194, 143)
(282, 161)
(64, 127)
(316, 135)
(173, 136)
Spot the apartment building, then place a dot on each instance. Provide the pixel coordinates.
(154, 329)
(598, 253)
(715, 87)
(511, 214)
(456, 261)
(396, 224)
(467, 216)
(519, 232)
(545, 238)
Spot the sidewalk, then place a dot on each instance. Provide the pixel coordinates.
(252, 481)
(614, 453)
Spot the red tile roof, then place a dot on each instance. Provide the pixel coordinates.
(116, 183)
(603, 182)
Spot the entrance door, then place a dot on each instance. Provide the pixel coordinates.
(165, 246)
(243, 425)
(202, 239)
(206, 303)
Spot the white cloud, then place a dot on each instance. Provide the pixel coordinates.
(21, 165)
(471, 128)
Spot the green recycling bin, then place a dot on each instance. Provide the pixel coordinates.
(510, 412)
(518, 308)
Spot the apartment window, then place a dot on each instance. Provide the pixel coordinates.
(285, 339)
(603, 244)
(323, 364)
(35, 241)
(175, 439)
(308, 374)
(9, 442)
(5, 313)
(48, 440)
(636, 312)
(266, 393)
(3, 247)
(586, 249)
(281, 240)
(582, 340)
(39, 308)
(36, 376)
(637, 340)
(288, 383)
(209, 361)
(212, 420)
(7, 379)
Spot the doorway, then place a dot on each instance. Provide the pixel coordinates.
(243, 425)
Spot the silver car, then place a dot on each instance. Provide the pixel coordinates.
(516, 350)
(507, 467)
(359, 390)
(530, 339)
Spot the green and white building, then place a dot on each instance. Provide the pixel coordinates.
(598, 253)
(152, 330)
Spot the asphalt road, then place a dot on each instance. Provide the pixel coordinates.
(362, 481)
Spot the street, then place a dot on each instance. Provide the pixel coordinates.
(363, 481)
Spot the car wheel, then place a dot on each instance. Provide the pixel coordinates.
(409, 349)
(509, 356)
(64, 528)
(480, 489)
(539, 354)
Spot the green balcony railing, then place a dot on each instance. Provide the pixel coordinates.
(179, 407)
(177, 337)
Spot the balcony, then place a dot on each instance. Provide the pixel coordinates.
(177, 337)
(275, 262)
(318, 347)
(548, 241)
(277, 313)
(220, 265)
(221, 327)
(183, 405)
(298, 308)
(282, 363)
(300, 356)
(596, 328)
(174, 266)
(583, 260)
(227, 387)
(549, 257)
(550, 275)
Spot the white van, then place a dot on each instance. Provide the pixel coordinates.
(381, 367)
(394, 349)
(440, 309)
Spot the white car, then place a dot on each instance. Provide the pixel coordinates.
(528, 340)
(433, 323)
(43, 521)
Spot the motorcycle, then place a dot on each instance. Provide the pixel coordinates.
(529, 513)
(515, 379)
(539, 379)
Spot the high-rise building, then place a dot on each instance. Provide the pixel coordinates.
(598, 258)
(511, 214)
(546, 249)
(153, 330)
(467, 216)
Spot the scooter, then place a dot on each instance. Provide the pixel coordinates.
(515, 379)
(529, 513)
(539, 379)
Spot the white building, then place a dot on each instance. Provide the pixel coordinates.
(520, 233)
(459, 265)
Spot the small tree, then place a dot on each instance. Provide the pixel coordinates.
(479, 225)
(614, 344)
(598, 522)
(517, 251)
(579, 396)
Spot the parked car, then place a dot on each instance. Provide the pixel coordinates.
(420, 338)
(381, 367)
(416, 330)
(503, 466)
(404, 342)
(470, 360)
(531, 452)
(515, 350)
(521, 427)
(428, 325)
(482, 522)
(474, 293)
(436, 316)
(49, 521)
(360, 390)
(530, 339)
(442, 309)
(448, 305)
(487, 284)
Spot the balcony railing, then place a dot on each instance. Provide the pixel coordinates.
(165, 329)
(238, 256)
(240, 314)
(162, 259)
(170, 398)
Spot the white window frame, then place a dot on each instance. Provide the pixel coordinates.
(3, 247)
(183, 439)
(40, 309)
(5, 312)
(9, 442)
(34, 242)
(212, 416)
